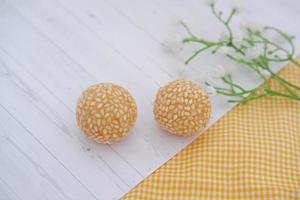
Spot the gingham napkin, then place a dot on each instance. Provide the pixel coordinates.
(253, 152)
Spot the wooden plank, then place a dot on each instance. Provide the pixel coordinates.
(138, 143)
(62, 146)
(54, 109)
(51, 50)
(28, 170)
(121, 34)
(6, 193)
(49, 105)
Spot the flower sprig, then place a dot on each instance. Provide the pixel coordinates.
(269, 52)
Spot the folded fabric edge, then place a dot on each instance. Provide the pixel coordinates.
(206, 130)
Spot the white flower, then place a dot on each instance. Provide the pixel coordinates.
(173, 43)
(238, 38)
(210, 90)
(175, 22)
(211, 117)
(265, 72)
(218, 72)
(209, 2)
(202, 77)
(223, 50)
(223, 37)
(239, 6)
(230, 68)
(253, 52)
(182, 69)
(278, 39)
(246, 23)
(275, 37)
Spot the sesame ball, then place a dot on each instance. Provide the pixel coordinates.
(182, 108)
(106, 112)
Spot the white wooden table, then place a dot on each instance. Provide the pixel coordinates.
(50, 50)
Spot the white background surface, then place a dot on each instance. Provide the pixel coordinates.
(50, 50)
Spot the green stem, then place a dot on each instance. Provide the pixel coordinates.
(283, 80)
(275, 93)
(271, 52)
(195, 54)
(239, 50)
(247, 99)
(295, 62)
(188, 30)
(230, 83)
(234, 94)
(285, 86)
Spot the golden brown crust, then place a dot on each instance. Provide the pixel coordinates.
(106, 112)
(182, 108)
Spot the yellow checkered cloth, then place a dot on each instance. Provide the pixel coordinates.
(253, 152)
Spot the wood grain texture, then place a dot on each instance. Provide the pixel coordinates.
(51, 50)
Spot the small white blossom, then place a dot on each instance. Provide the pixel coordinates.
(223, 37)
(278, 39)
(223, 50)
(181, 71)
(238, 42)
(210, 90)
(211, 117)
(209, 2)
(173, 43)
(204, 77)
(246, 23)
(265, 72)
(175, 22)
(275, 37)
(253, 52)
(230, 68)
(218, 72)
(239, 6)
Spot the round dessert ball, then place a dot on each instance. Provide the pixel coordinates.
(182, 108)
(106, 112)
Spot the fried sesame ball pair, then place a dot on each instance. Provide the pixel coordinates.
(106, 112)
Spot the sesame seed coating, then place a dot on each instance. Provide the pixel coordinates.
(106, 112)
(182, 108)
